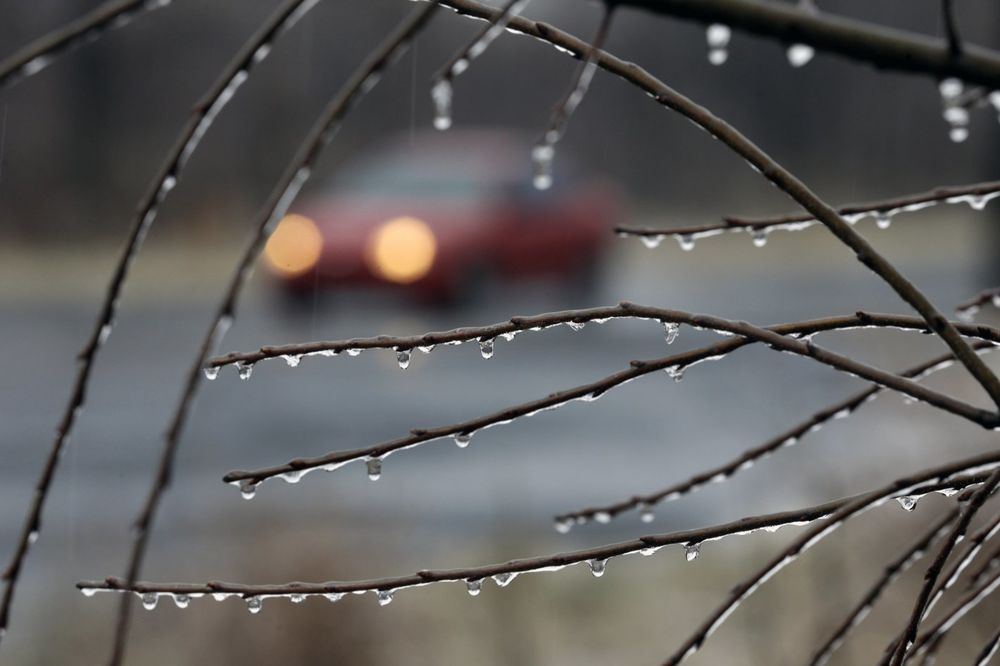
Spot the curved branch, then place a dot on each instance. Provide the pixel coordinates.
(944, 478)
(882, 47)
(218, 95)
(976, 195)
(363, 79)
(37, 55)
(771, 170)
(775, 337)
(966, 603)
(967, 310)
(749, 457)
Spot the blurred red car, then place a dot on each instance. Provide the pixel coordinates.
(439, 215)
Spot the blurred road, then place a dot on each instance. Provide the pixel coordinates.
(434, 501)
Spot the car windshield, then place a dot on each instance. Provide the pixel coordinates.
(433, 176)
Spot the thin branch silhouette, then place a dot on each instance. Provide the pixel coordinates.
(39, 54)
(322, 132)
(989, 650)
(235, 73)
(951, 28)
(967, 310)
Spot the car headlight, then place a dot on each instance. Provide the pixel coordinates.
(402, 250)
(294, 247)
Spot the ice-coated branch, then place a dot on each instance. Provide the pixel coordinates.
(903, 487)
(967, 310)
(976, 195)
(990, 561)
(945, 478)
(486, 335)
(769, 169)
(924, 598)
(40, 53)
(442, 86)
(544, 150)
(958, 565)
(882, 47)
(989, 650)
(776, 337)
(298, 171)
(253, 51)
(750, 457)
(892, 571)
(933, 635)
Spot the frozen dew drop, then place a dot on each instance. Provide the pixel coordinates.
(462, 439)
(563, 526)
(759, 237)
(245, 370)
(182, 600)
(403, 358)
(441, 94)
(474, 586)
(297, 598)
(882, 220)
(486, 347)
(333, 597)
(908, 503)
(652, 241)
(353, 352)
(671, 331)
(504, 579)
(576, 325)
(374, 466)
(597, 567)
(799, 55)
(676, 372)
(384, 597)
(149, 600)
(254, 604)
(541, 157)
(686, 241)
(292, 360)
(691, 551)
(211, 373)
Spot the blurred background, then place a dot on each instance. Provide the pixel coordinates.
(79, 143)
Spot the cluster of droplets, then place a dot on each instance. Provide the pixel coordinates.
(954, 111)
(717, 35)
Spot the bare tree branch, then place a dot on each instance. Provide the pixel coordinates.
(37, 55)
(880, 46)
(951, 28)
(277, 204)
(976, 195)
(892, 571)
(967, 310)
(989, 650)
(771, 170)
(748, 458)
(293, 470)
(934, 634)
(945, 478)
(253, 51)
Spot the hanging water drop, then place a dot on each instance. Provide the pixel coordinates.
(296, 598)
(474, 586)
(717, 36)
(149, 600)
(254, 604)
(245, 370)
(292, 360)
(462, 439)
(759, 237)
(248, 489)
(211, 373)
(602, 517)
(670, 331)
(374, 466)
(441, 94)
(384, 597)
(353, 352)
(653, 241)
(950, 88)
(882, 220)
(676, 372)
(541, 157)
(563, 526)
(504, 579)
(686, 241)
(799, 55)
(597, 567)
(333, 597)
(647, 515)
(691, 551)
(486, 347)
(576, 325)
(182, 601)
(403, 358)
(909, 503)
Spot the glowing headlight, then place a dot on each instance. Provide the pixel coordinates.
(294, 247)
(402, 250)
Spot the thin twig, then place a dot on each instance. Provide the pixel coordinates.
(748, 458)
(40, 53)
(951, 28)
(989, 650)
(892, 571)
(218, 95)
(962, 606)
(772, 171)
(967, 310)
(277, 204)
(976, 195)
(774, 337)
(944, 478)
(934, 570)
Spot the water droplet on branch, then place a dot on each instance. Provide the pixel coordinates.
(254, 604)
(691, 551)
(799, 55)
(486, 347)
(441, 94)
(597, 567)
(462, 439)
(908, 503)
(149, 600)
(474, 587)
(211, 373)
(403, 358)
(245, 370)
(504, 579)
(670, 331)
(374, 466)
(384, 597)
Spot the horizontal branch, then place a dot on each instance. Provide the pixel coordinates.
(976, 195)
(882, 47)
(37, 55)
(775, 337)
(748, 458)
(940, 479)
